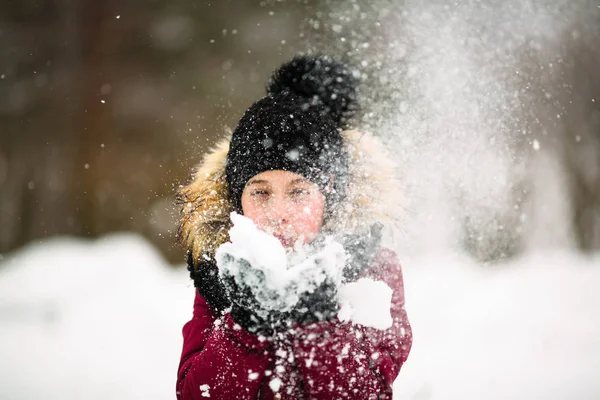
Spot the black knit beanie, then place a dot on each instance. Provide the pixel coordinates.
(296, 127)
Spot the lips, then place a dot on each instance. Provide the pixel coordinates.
(286, 241)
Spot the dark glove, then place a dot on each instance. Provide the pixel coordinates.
(206, 280)
(222, 293)
(259, 308)
(319, 305)
(246, 310)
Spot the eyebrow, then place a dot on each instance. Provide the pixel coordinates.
(299, 180)
(266, 182)
(257, 182)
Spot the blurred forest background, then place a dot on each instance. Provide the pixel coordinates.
(106, 106)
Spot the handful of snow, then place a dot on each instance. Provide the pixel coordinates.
(276, 278)
(366, 302)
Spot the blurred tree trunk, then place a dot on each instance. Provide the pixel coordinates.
(57, 208)
(50, 184)
(92, 110)
(37, 137)
(581, 141)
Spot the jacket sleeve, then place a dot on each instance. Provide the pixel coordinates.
(345, 360)
(219, 359)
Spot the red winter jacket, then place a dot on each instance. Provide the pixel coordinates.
(323, 360)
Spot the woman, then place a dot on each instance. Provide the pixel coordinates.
(291, 169)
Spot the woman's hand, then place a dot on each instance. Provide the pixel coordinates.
(246, 290)
(302, 292)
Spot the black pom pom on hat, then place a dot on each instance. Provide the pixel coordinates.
(296, 127)
(322, 80)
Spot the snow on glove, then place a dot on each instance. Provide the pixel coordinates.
(246, 310)
(256, 302)
(251, 268)
(321, 276)
(323, 302)
(319, 305)
(269, 285)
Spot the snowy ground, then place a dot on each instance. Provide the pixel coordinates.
(102, 320)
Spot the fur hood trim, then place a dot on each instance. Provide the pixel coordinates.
(373, 195)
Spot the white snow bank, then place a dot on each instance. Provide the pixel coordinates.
(91, 320)
(102, 320)
(528, 329)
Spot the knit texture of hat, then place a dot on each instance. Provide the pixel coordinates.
(296, 127)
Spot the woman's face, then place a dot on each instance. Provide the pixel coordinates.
(284, 204)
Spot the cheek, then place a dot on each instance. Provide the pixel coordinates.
(254, 212)
(308, 219)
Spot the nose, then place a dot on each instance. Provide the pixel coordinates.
(278, 210)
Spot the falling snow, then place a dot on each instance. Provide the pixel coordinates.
(204, 389)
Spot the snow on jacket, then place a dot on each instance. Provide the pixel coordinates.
(322, 360)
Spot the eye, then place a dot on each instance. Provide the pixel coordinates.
(259, 192)
(299, 192)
